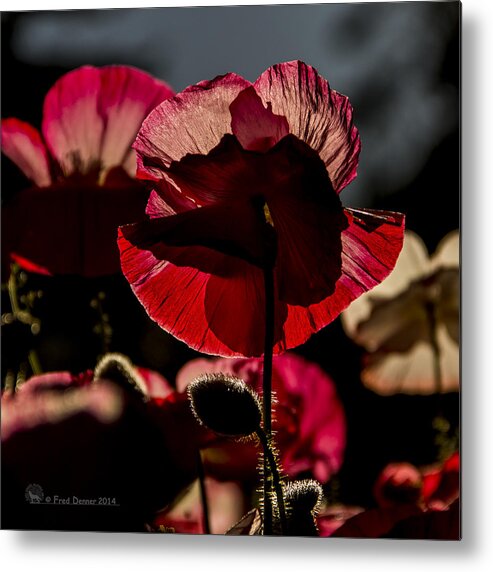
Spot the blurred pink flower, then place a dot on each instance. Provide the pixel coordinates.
(77, 436)
(398, 484)
(308, 421)
(82, 169)
(226, 507)
(410, 316)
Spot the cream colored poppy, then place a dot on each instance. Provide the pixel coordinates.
(409, 324)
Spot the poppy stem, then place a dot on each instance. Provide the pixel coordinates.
(437, 370)
(267, 390)
(102, 327)
(23, 315)
(440, 423)
(269, 455)
(203, 494)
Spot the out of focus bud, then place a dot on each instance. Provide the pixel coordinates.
(120, 370)
(398, 484)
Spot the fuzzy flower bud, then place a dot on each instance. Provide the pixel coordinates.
(303, 500)
(120, 370)
(225, 404)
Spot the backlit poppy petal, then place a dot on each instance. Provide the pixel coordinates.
(399, 320)
(192, 122)
(254, 124)
(411, 372)
(72, 125)
(395, 324)
(370, 246)
(127, 96)
(447, 253)
(197, 307)
(317, 115)
(413, 261)
(23, 145)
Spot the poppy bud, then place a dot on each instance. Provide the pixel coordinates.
(225, 404)
(120, 370)
(304, 495)
(303, 499)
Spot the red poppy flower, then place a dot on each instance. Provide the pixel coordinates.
(409, 500)
(399, 484)
(82, 168)
(243, 174)
(309, 420)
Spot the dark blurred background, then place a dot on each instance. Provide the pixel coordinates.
(399, 65)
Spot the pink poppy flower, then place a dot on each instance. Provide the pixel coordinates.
(399, 484)
(308, 418)
(81, 168)
(75, 436)
(409, 324)
(226, 506)
(244, 174)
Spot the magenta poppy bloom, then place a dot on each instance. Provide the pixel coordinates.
(75, 436)
(244, 174)
(308, 417)
(398, 484)
(82, 170)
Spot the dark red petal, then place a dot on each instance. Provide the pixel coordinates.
(317, 115)
(226, 173)
(195, 237)
(306, 213)
(71, 228)
(254, 124)
(308, 218)
(235, 309)
(370, 247)
(220, 315)
(224, 314)
(23, 145)
(192, 122)
(375, 522)
(431, 525)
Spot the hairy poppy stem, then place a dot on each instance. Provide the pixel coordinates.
(203, 494)
(269, 455)
(267, 390)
